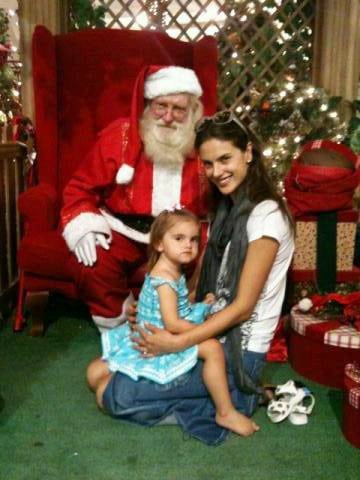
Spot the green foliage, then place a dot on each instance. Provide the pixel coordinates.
(353, 136)
(4, 25)
(7, 77)
(84, 15)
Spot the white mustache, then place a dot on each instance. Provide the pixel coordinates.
(166, 125)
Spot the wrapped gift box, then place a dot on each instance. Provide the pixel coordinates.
(351, 404)
(319, 349)
(305, 241)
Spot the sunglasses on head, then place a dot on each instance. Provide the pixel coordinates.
(220, 118)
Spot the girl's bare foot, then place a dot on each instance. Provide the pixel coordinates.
(237, 423)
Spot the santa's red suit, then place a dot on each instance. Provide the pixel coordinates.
(93, 202)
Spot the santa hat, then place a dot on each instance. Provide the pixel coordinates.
(169, 80)
(153, 81)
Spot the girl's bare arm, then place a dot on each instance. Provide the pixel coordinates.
(168, 308)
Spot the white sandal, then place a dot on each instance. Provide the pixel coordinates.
(301, 412)
(287, 389)
(288, 400)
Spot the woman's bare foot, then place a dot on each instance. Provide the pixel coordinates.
(237, 423)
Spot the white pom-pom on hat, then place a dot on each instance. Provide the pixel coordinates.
(125, 174)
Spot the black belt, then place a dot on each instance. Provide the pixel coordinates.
(140, 223)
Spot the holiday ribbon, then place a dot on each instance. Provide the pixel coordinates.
(326, 258)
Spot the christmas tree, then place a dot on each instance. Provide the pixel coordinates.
(9, 94)
(289, 116)
(84, 15)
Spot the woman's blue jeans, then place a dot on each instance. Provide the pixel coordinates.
(185, 400)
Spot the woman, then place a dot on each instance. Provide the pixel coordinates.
(245, 265)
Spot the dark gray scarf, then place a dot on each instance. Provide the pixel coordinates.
(229, 225)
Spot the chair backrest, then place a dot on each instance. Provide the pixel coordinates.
(83, 81)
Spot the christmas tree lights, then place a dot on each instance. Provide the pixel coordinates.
(9, 77)
(289, 116)
(84, 15)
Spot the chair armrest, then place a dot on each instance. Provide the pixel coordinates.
(39, 208)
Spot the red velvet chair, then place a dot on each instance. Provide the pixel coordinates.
(83, 81)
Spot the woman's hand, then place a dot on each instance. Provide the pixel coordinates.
(155, 341)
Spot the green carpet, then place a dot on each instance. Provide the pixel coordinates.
(50, 428)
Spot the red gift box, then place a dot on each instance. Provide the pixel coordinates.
(351, 404)
(319, 349)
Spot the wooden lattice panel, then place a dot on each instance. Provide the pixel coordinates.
(186, 20)
(260, 41)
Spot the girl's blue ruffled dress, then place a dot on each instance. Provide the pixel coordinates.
(118, 349)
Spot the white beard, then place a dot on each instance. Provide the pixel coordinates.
(167, 145)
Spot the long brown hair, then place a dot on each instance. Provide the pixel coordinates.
(162, 223)
(258, 184)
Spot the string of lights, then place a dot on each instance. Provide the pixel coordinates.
(10, 68)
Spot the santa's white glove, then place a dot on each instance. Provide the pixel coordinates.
(85, 249)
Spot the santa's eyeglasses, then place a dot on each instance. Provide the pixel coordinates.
(220, 118)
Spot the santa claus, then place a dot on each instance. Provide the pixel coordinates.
(139, 166)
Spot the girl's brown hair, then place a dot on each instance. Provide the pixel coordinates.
(162, 223)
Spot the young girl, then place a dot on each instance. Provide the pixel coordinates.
(164, 302)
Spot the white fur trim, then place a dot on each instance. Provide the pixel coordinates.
(125, 174)
(118, 226)
(166, 187)
(107, 323)
(81, 225)
(171, 80)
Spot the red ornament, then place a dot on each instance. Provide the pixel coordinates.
(4, 53)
